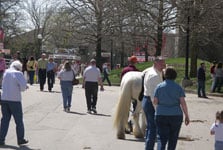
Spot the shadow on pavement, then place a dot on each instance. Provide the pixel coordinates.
(17, 148)
(101, 115)
(76, 113)
(135, 140)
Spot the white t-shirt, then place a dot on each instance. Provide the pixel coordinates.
(218, 131)
(152, 78)
(92, 74)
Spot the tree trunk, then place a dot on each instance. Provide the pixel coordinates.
(160, 30)
(99, 34)
(193, 52)
(98, 52)
(122, 54)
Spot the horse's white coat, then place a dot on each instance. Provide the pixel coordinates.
(130, 88)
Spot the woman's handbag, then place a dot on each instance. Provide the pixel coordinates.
(75, 81)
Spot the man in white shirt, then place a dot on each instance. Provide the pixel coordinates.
(153, 76)
(91, 79)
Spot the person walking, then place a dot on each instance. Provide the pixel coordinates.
(106, 74)
(153, 76)
(42, 63)
(217, 130)
(31, 68)
(212, 72)
(201, 77)
(51, 68)
(12, 85)
(66, 76)
(218, 77)
(131, 67)
(2, 67)
(91, 79)
(75, 67)
(170, 105)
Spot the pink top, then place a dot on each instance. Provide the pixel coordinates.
(2, 64)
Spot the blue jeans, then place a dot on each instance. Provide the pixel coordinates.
(218, 84)
(31, 77)
(11, 109)
(50, 79)
(106, 78)
(151, 127)
(168, 128)
(218, 145)
(201, 88)
(67, 89)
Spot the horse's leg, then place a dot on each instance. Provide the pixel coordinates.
(143, 123)
(121, 131)
(137, 130)
(122, 112)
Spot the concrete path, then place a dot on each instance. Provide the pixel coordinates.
(48, 127)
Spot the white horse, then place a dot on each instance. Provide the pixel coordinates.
(131, 86)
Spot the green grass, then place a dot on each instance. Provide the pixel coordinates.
(177, 63)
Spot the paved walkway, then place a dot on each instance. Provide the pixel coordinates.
(48, 127)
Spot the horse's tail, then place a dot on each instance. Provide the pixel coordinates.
(122, 108)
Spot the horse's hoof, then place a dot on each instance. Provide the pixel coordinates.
(121, 136)
(138, 135)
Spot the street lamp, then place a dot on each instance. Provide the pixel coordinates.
(111, 54)
(186, 81)
(187, 48)
(39, 37)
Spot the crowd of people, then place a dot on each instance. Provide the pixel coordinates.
(163, 99)
(216, 72)
(14, 78)
(217, 76)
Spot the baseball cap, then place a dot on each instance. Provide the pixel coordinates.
(133, 59)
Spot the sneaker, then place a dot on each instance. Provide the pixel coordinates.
(68, 109)
(22, 142)
(89, 111)
(94, 110)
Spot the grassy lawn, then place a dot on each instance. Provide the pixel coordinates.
(177, 63)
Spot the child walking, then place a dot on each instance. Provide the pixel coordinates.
(217, 130)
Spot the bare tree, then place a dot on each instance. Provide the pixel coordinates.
(9, 18)
(90, 14)
(161, 17)
(202, 19)
(39, 14)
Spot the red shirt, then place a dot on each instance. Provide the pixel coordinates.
(127, 69)
(212, 69)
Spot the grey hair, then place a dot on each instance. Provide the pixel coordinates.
(16, 65)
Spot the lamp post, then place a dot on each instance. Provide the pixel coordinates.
(186, 81)
(187, 48)
(111, 54)
(39, 37)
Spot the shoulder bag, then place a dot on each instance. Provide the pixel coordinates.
(75, 81)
